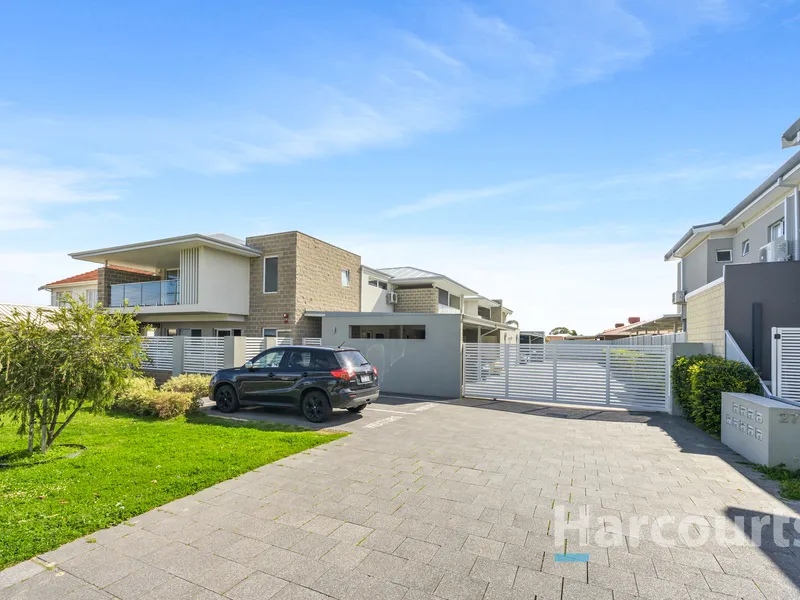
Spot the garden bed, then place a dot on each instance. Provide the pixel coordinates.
(130, 465)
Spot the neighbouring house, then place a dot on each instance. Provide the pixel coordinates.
(90, 286)
(636, 327)
(741, 274)
(277, 285)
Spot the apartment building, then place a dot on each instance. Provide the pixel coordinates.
(738, 277)
(276, 285)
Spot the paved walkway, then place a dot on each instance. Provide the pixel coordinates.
(447, 501)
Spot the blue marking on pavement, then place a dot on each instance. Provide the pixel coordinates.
(560, 558)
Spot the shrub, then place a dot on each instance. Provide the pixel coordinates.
(194, 384)
(698, 383)
(140, 397)
(709, 380)
(168, 405)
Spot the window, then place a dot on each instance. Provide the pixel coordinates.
(724, 256)
(351, 358)
(267, 332)
(191, 332)
(299, 360)
(345, 277)
(270, 274)
(228, 332)
(777, 230)
(172, 274)
(444, 297)
(413, 332)
(378, 284)
(378, 332)
(745, 247)
(270, 359)
(324, 360)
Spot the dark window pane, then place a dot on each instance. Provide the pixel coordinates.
(444, 297)
(270, 275)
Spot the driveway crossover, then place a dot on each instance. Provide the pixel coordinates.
(457, 501)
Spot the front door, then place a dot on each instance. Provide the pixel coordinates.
(261, 382)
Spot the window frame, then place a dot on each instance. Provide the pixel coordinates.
(345, 275)
(730, 255)
(265, 329)
(746, 247)
(264, 275)
(439, 297)
(780, 222)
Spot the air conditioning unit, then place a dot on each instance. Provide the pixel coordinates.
(777, 250)
(679, 297)
(391, 297)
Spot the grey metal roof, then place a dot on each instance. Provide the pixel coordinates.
(412, 273)
(754, 195)
(791, 137)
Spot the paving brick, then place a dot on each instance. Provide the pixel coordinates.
(483, 547)
(574, 590)
(453, 587)
(101, 566)
(383, 541)
(346, 556)
(494, 571)
(543, 586)
(259, 586)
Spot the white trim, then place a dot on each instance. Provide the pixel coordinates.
(193, 237)
(264, 275)
(706, 287)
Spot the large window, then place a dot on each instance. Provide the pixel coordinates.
(776, 230)
(444, 297)
(387, 332)
(271, 275)
(724, 256)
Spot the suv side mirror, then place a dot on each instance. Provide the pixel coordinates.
(249, 365)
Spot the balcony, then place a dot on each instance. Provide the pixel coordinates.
(448, 310)
(149, 293)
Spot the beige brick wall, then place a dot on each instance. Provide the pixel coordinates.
(319, 283)
(417, 300)
(267, 310)
(705, 318)
(309, 278)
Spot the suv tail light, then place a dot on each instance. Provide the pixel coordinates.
(344, 374)
(375, 372)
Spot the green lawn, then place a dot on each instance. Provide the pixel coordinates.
(789, 480)
(131, 465)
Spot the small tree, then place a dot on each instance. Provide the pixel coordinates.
(53, 364)
(562, 331)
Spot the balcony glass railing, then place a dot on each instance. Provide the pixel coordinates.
(448, 310)
(149, 293)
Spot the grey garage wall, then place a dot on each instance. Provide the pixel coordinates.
(430, 367)
(776, 288)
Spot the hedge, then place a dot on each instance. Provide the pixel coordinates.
(698, 382)
(139, 396)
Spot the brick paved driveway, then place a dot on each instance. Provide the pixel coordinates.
(451, 501)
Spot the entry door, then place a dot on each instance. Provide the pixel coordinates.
(264, 379)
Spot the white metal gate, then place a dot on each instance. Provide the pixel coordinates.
(635, 377)
(786, 362)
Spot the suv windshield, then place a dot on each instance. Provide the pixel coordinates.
(351, 358)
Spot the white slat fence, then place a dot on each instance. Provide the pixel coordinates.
(312, 341)
(203, 354)
(158, 353)
(786, 362)
(634, 377)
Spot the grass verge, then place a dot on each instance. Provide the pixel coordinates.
(130, 465)
(789, 480)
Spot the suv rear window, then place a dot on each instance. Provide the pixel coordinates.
(351, 358)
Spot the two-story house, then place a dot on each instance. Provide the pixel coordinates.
(741, 274)
(277, 285)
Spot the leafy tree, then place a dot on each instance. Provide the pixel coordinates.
(563, 331)
(53, 364)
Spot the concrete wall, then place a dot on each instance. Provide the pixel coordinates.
(757, 232)
(373, 299)
(705, 317)
(776, 288)
(223, 283)
(426, 367)
(267, 310)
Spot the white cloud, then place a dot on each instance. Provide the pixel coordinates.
(25, 191)
(390, 87)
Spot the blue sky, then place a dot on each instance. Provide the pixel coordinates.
(543, 154)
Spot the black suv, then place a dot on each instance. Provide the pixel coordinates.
(313, 379)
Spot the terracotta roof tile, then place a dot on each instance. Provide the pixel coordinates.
(92, 276)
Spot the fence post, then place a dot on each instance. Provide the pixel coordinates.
(668, 376)
(608, 374)
(776, 358)
(177, 354)
(234, 350)
(554, 358)
(507, 363)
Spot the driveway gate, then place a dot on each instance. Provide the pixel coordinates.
(599, 375)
